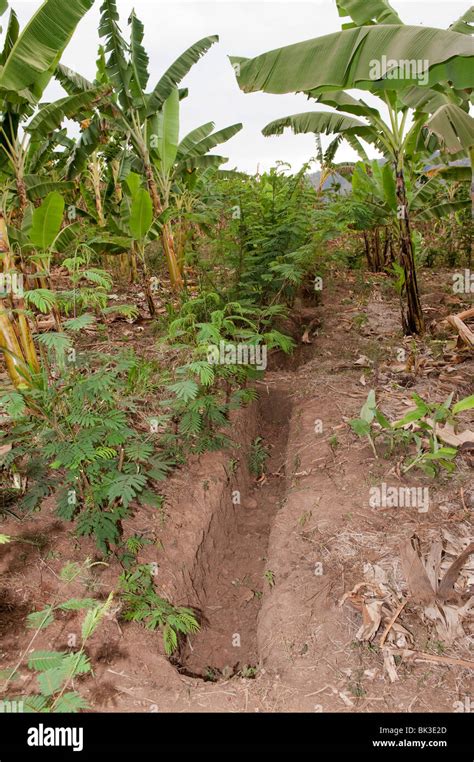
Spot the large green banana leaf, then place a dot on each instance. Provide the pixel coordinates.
(177, 71)
(139, 56)
(168, 132)
(11, 37)
(364, 12)
(453, 128)
(191, 163)
(441, 210)
(346, 59)
(342, 101)
(85, 146)
(464, 25)
(211, 141)
(454, 173)
(115, 45)
(141, 214)
(47, 220)
(327, 122)
(50, 116)
(419, 98)
(38, 187)
(72, 82)
(427, 99)
(356, 146)
(193, 137)
(36, 52)
(313, 121)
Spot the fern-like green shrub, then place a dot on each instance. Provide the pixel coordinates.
(75, 438)
(55, 670)
(143, 604)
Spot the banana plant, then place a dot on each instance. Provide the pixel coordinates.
(131, 230)
(370, 53)
(41, 236)
(374, 205)
(174, 160)
(28, 61)
(139, 223)
(130, 109)
(16, 341)
(329, 169)
(429, 198)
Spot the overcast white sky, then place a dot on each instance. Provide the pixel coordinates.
(245, 28)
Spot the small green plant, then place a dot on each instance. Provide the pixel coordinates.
(232, 465)
(363, 425)
(360, 320)
(269, 576)
(143, 604)
(55, 670)
(129, 549)
(257, 457)
(418, 428)
(248, 672)
(208, 387)
(211, 675)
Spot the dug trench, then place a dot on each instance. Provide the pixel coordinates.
(220, 512)
(231, 572)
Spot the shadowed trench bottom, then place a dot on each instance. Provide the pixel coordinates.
(238, 578)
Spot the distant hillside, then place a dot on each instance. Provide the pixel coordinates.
(346, 184)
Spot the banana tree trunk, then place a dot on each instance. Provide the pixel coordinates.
(148, 292)
(377, 252)
(183, 232)
(166, 234)
(412, 315)
(22, 196)
(94, 169)
(12, 353)
(133, 266)
(368, 250)
(16, 340)
(387, 249)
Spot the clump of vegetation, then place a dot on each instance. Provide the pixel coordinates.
(74, 436)
(55, 671)
(419, 429)
(142, 604)
(257, 457)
